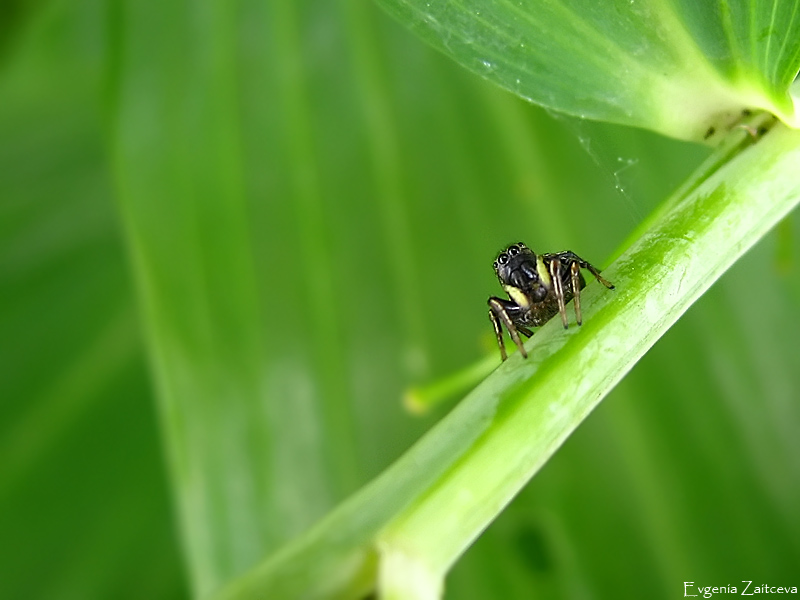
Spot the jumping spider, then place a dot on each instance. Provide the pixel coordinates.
(538, 288)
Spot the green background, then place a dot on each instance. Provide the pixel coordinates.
(375, 181)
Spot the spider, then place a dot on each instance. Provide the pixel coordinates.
(538, 287)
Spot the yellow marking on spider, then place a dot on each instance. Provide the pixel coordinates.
(517, 295)
(544, 274)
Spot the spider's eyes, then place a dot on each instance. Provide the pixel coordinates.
(495, 264)
(521, 245)
(513, 251)
(503, 258)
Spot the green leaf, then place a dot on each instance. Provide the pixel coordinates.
(690, 465)
(83, 492)
(404, 531)
(686, 69)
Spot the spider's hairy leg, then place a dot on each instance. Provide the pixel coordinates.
(498, 332)
(574, 258)
(575, 281)
(558, 289)
(498, 313)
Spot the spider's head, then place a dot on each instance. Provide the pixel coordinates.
(516, 265)
(522, 274)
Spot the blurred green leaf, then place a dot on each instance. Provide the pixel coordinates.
(83, 493)
(421, 173)
(685, 69)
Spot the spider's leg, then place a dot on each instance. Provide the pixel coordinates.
(568, 256)
(558, 289)
(593, 270)
(498, 313)
(524, 331)
(498, 332)
(575, 281)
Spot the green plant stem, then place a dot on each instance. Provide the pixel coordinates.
(403, 531)
(422, 398)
